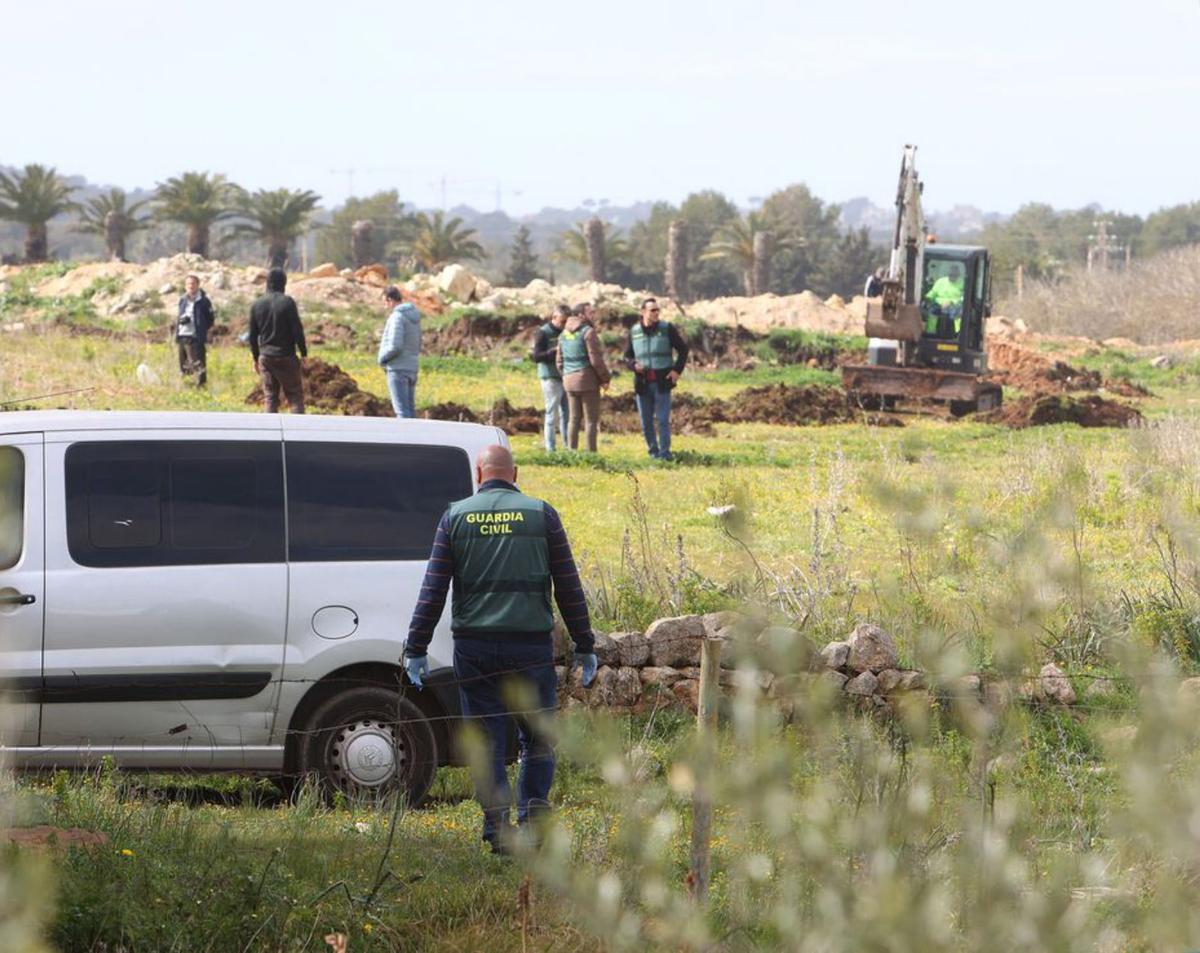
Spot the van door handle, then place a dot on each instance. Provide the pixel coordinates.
(18, 599)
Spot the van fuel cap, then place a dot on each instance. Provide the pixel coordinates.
(335, 622)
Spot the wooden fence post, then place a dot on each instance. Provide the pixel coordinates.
(706, 727)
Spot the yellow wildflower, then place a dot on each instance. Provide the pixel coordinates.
(126, 852)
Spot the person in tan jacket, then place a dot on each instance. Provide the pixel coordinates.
(581, 362)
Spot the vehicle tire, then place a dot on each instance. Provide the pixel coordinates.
(368, 743)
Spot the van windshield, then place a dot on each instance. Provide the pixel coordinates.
(12, 506)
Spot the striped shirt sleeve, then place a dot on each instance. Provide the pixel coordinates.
(568, 590)
(434, 588)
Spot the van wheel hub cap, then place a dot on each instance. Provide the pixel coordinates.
(366, 753)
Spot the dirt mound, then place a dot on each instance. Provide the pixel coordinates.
(777, 404)
(780, 404)
(330, 332)
(45, 837)
(1034, 373)
(330, 390)
(1125, 388)
(449, 410)
(1040, 410)
(515, 419)
(803, 310)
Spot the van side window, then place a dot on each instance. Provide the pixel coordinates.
(368, 501)
(174, 502)
(12, 506)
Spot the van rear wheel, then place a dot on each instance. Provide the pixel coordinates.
(368, 743)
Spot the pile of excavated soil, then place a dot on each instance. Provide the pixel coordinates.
(330, 390)
(778, 404)
(123, 289)
(1034, 373)
(804, 310)
(1090, 410)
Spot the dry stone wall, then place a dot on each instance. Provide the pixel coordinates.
(640, 671)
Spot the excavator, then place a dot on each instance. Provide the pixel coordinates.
(926, 330)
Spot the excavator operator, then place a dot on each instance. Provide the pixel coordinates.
(945, 300)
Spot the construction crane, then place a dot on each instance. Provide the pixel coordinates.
(926, 330)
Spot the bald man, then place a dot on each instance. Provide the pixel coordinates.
(503, 550)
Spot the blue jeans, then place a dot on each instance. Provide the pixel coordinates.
(484, 670)
(402, 385)
(654, 407)
(555, 401)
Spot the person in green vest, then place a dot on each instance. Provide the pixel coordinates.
(584, 372)
(945, 299)
(656, 353)
(545, 354)
(504, 552)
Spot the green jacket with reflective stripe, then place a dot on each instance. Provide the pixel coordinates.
(652, 349)
(572, 345)
(501, 564)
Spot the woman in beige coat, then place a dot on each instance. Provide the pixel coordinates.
(584, 374)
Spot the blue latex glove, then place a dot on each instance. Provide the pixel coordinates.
(416, 668)
(588, 664)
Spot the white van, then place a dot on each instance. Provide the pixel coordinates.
(226, 592)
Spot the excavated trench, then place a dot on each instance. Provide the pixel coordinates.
(329, 389)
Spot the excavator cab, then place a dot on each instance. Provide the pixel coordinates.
(955, 301)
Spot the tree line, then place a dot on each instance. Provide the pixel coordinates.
(1046, 243)
(200, 202)
(704, 247)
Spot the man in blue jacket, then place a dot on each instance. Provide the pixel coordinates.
(504, 552)
(400, 351)
(191, 331)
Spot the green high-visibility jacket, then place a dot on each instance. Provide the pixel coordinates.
(501, 564)
(572, 345)
(945, 293)
(652, 348)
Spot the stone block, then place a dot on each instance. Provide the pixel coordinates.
(633, 648)
(835, 655)
(676, 641)
(871, 649)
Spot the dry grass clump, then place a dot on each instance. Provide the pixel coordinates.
(1153, 302)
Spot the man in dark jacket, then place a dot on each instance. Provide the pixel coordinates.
(503, 551)
(191, 331)
(276, 334)
(545, 355)
(648, 353)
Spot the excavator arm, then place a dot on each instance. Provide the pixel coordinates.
(896, 315)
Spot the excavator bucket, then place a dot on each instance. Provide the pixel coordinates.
(906, 326)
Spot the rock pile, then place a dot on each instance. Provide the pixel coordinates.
(661, 668)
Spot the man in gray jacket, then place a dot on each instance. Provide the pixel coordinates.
(400, 351)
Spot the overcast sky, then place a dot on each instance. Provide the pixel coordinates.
(1062, 101)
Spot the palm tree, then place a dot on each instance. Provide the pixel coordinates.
(111, 217)
(605, 247)
(198, 200)
(33, 197)
(749, 243)
(439, 242)
(277, 217)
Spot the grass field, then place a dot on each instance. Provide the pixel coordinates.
(977, 546)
